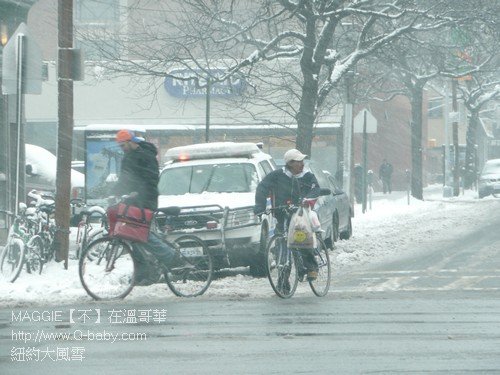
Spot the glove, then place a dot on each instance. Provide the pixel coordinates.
(258, 210)
(131, 198)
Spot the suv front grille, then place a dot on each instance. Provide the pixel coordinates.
(192, 221)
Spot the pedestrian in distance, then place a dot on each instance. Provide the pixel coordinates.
(289, 184)
(385, 175)
(358, 183)
(339, 175)
(139, 179)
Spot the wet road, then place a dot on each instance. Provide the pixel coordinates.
(434, 312)
(386, 332)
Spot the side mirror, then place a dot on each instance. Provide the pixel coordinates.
(31, 170)
(324, 191)
(338, 192)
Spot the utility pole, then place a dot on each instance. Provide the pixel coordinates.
(456, 151)
(207, 111)
(365, 160)
(21, 74)
(65, 128)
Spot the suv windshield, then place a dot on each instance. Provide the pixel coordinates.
(221, 178)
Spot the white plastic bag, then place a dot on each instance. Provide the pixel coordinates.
(300, 230)
(316, 225)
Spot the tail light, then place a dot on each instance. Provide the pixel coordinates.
(211, 225)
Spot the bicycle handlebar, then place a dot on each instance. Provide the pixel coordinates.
(291, 207)
(113, 199)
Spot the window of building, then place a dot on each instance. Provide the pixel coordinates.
(96, 11)
(96, 23)
(435, 108)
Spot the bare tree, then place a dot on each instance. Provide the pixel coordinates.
(405, 66)
(480, 90)
(408, 66)
(321, 40)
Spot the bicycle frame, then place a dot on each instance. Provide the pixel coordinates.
(87, 230)
(287, 266)
(19, 236)
(285, 253)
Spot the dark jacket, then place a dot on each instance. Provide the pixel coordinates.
(139, 173)
(283, 187)
(385, 171)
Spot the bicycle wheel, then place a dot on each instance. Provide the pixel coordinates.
(321, 284)
(192, 271)
(48, 246)
(12, 259)
(281, 267)
(81, 239)
(107, 269)
(89, 234)
(34, 262)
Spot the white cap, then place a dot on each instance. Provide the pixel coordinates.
(294, 154)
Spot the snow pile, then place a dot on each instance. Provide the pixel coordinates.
(384, 232)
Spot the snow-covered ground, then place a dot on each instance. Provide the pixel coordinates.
(385, 232)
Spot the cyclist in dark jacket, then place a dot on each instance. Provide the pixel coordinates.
(289, 184)
(139, 176)
(139, 169)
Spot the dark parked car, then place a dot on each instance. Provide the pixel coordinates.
(489, 179)
(334, 210)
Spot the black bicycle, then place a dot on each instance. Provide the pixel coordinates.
(108, 264)
(285, 265)
(23, 246)
(92, 224)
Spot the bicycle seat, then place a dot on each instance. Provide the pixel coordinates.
(47, 208)
(170, 211)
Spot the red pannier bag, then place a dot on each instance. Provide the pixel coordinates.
(132, 223)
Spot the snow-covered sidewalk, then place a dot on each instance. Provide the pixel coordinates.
(381, 233)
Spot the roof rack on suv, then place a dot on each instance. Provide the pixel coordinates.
(211, 151)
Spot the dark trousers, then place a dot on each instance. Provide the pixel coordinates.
(386, 185)
(161, 251)
(308, 260)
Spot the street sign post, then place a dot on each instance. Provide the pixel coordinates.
(31, 64)
(21, 74)
(365, 123)
(359, 122)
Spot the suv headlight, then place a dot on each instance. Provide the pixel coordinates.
(240, 217)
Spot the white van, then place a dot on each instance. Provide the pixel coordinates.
(41, 169)
(214, 184)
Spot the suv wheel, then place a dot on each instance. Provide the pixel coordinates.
(347, 233)
(334, 233)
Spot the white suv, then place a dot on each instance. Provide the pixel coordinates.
(214, 185)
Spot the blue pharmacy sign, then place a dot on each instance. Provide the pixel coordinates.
(193, 88)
